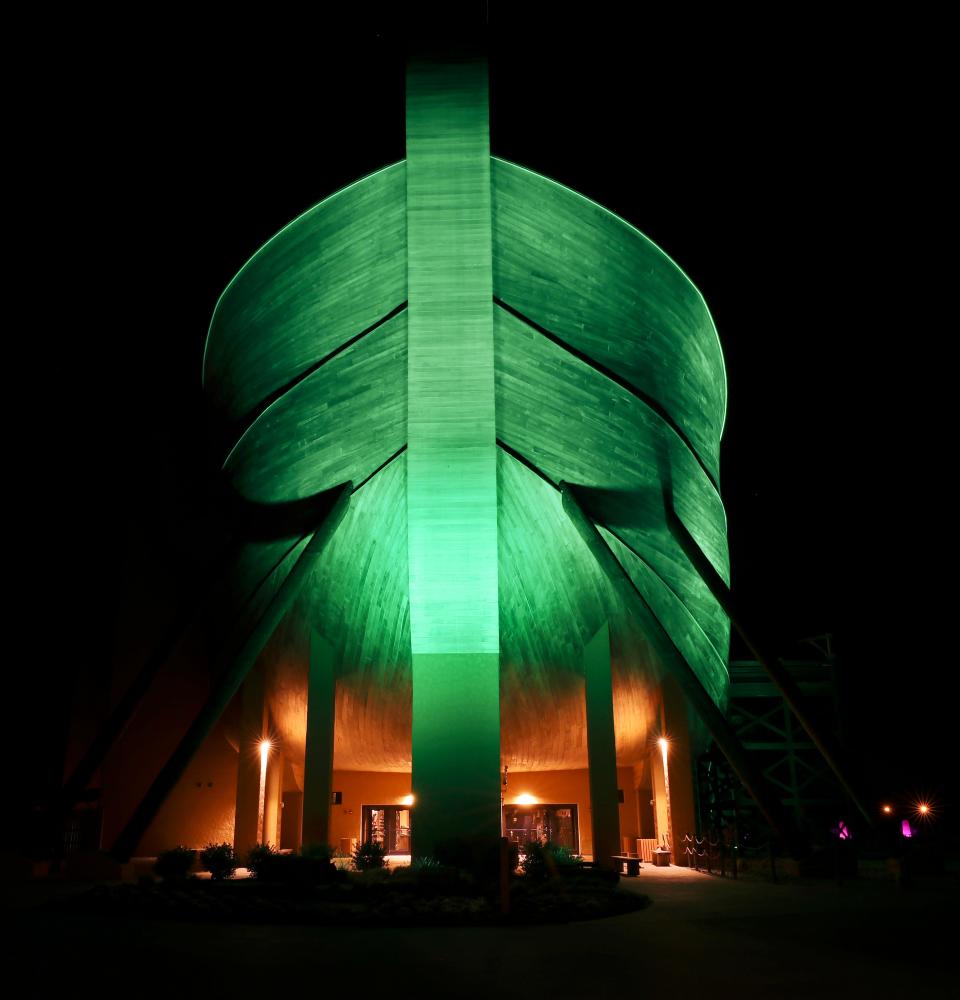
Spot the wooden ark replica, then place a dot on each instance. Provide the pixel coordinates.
(480, 416)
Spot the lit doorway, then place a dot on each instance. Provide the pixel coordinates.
(554, 822)
(388, 826)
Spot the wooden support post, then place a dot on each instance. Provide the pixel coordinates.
(680, 763)
(318, 760)
(231, 677)
(273, 794)
(253, 730)
(601, 749)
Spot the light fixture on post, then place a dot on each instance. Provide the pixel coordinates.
(262, 801)
(663, 743)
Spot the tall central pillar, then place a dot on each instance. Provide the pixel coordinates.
(451, 456)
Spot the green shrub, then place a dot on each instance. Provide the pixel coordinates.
(424, 864)
(476, 857)
(219, 860)
(367, 856)
(540, 861)
(173, 865)
(434, 880)
(269, 865)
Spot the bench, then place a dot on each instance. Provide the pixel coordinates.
(628, 864)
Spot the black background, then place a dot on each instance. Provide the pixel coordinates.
(796, 171)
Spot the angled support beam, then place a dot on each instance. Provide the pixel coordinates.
(129, 704)
(601, 749)
(778, 674)
(673, 659)
(230, 679)
(126, 708)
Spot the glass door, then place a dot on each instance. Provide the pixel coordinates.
(388, 826)
(556, 823)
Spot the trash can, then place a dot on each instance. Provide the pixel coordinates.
(661, 858)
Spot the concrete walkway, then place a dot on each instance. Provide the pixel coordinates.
(702, 937)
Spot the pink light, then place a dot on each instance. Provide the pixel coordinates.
(905, 828)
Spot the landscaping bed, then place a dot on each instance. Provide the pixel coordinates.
(378, 898)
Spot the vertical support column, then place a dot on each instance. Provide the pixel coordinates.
(291, 819)
(318, 761)
(681, 765)
(272, 799)
(661, 826)
(601, 748)
(451, 455)
(253, 729)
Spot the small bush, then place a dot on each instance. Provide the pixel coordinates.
(478, 857)
(368, 856)
(433, 880)
(549, 859)
(173, 865)
(318, 852)
(372, 879)
(219, 860)
(269, 865)
(424, 864)
(259, 859)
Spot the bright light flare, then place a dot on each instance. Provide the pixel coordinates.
(262, 803)
(407, 800)
(525, 799)
(887, 810)
(924, 808)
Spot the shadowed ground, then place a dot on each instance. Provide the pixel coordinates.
(703, 936)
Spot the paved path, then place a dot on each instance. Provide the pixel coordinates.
(703, 937)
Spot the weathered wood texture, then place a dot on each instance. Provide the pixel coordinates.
(324, 278)
(592, 279)
(451, 456)
(576, 425)
(340, 422)
(637, 416)
(451, 461)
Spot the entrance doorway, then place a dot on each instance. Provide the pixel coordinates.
(388, 826)
(554, 822)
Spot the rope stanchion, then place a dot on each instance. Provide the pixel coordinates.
(703, 858)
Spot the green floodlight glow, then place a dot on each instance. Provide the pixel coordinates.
(471, 334)
(452, 455)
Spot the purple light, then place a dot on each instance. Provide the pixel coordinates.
(842, 832)
(905, 828)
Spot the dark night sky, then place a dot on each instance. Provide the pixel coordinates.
(800, 184)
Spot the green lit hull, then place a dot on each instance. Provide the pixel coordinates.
(608, 375)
